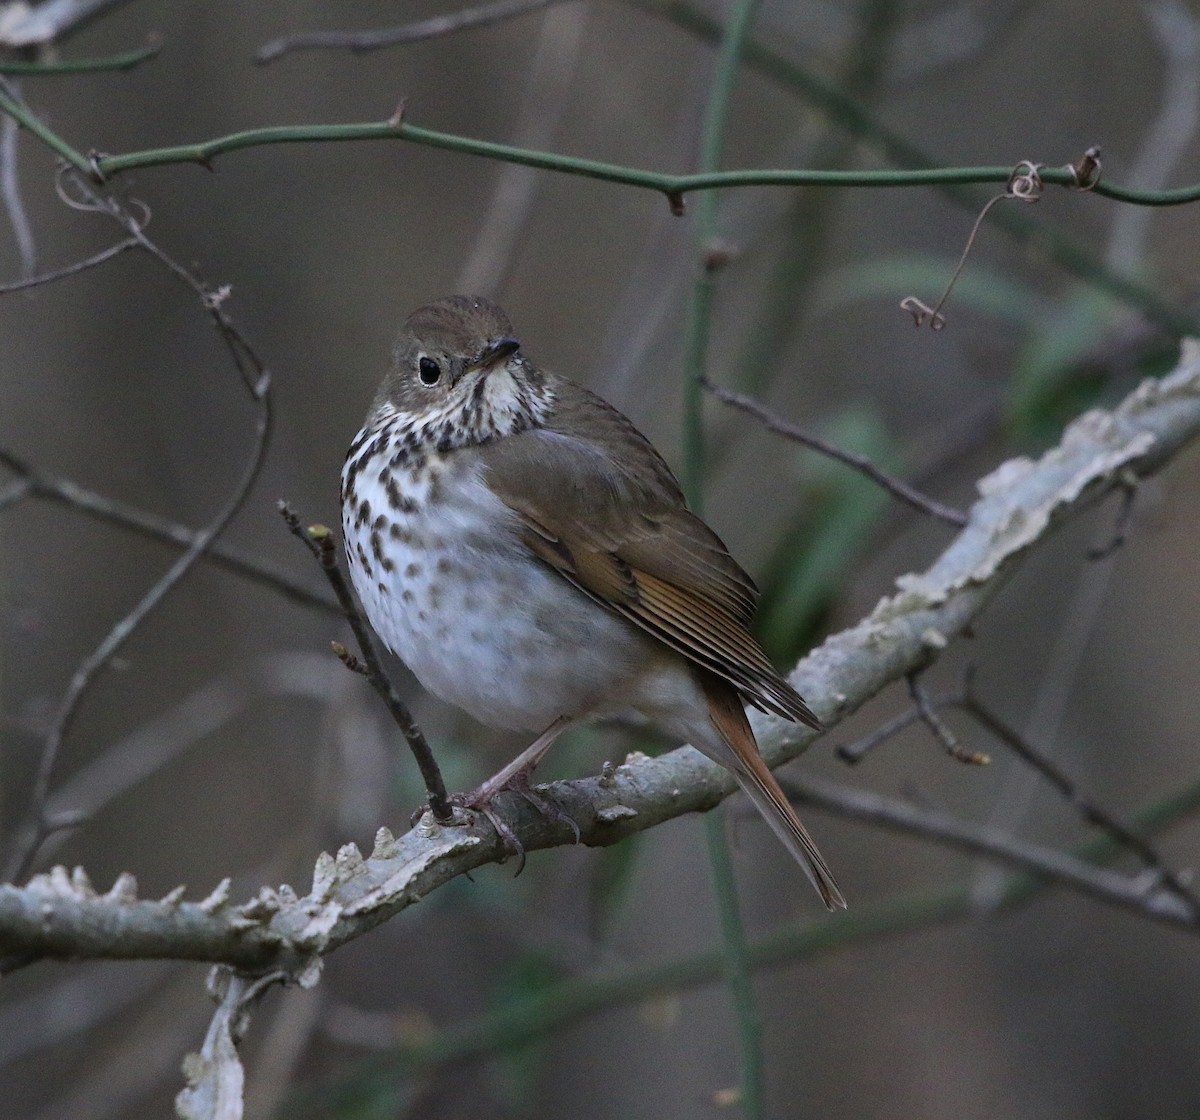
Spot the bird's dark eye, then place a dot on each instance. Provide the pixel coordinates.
(429, 371)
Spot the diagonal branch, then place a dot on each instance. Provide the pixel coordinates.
(1142, 894)
(1091, 812)
(32, 482)
(70, 269)
(897, 487)
(1021, 504)
(359, 42)
(320, 542)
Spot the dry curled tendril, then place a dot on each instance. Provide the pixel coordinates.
(73, 192)
(1025, 185)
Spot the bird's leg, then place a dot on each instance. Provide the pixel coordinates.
(523, 766)
(515, 777)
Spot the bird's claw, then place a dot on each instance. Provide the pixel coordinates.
(480, 801)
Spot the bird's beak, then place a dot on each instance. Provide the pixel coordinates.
(495, 352)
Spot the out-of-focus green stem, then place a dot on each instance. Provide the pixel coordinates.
(126, 61)
(734, 951)
(736, 966)
(21, 114)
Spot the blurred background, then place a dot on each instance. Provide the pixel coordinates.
(226, 740)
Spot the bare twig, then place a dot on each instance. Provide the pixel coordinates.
(1139, 894)
(254, 375)
(854, 753)
(360, 42)
(320, 542)
(894, 486)
(32, 481)
(927, 713)
(38, 827)
(68, 270)
(1088, 809)
(925, 709)
(1120, 527)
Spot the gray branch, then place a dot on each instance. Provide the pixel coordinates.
(1146, 894)
(362, 41)
(52, 21)
(1021, 503)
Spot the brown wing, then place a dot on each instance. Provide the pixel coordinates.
(601, 507)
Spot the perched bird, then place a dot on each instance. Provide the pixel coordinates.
(530, 557)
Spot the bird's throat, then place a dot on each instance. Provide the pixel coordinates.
(484, 405)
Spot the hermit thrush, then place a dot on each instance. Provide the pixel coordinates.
(527, 553)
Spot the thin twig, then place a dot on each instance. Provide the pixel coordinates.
(853, 753)
(1139, 894)
(14, 492)
(1024, 185)
(32, 481)
(1129, 491)
(668, 185)
(12, 105)
(941, 731)
(359, 42)
(860, 122)
(894, 486)
(1089, 810)
(37, 827)
(254, 375)
(320, 542)
(70, 269)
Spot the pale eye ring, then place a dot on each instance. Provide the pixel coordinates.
(428, 370)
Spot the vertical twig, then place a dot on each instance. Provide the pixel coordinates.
(736, 966)
(319, 541)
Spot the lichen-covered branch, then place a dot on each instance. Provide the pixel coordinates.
(1021, 502)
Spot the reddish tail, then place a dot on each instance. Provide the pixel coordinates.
(729, 718)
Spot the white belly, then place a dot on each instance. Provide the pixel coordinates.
(483, 624)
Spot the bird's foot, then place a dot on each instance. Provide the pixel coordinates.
(515, 778)
(480, 801)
